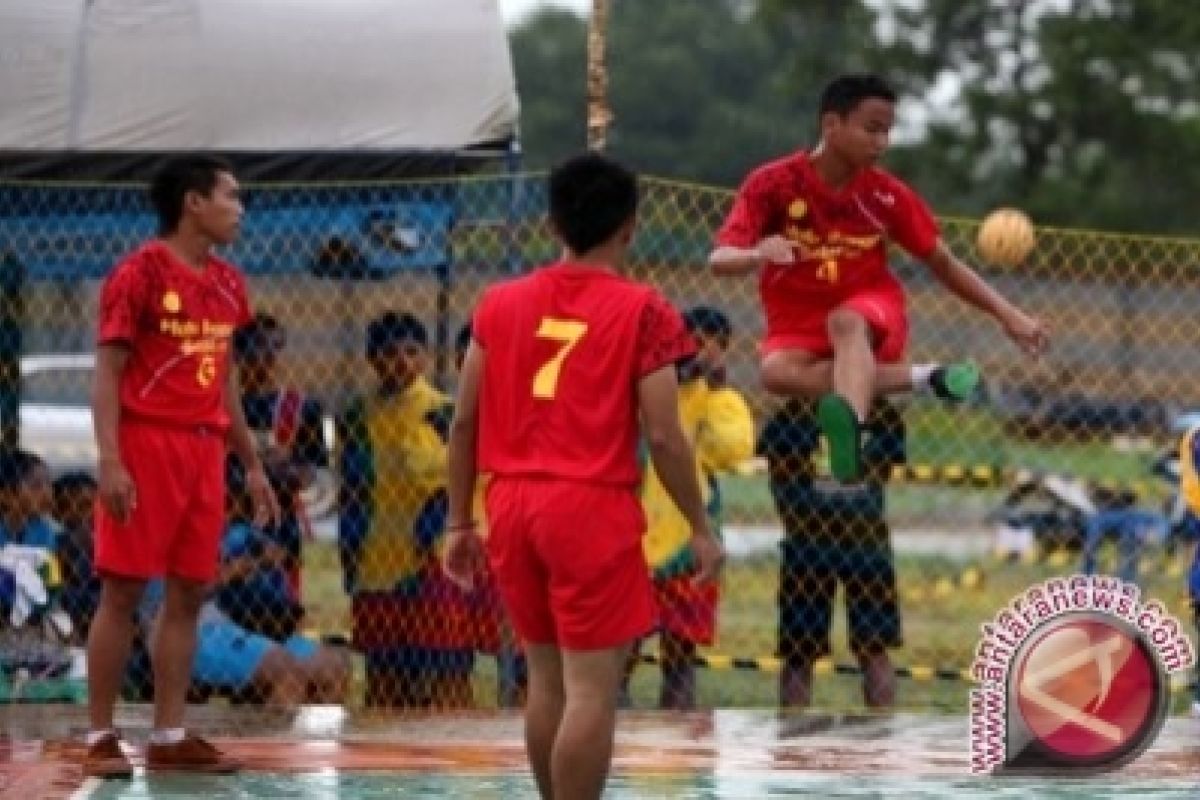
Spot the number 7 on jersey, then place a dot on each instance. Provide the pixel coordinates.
(567, 332)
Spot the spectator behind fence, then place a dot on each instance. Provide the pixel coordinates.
(1189, 492)
(410, 622)
(287, 426)
(718, 422)
(74, 496)
(271, 661)
(25, 501)
(834, 533)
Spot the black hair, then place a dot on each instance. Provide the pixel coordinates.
(392, 327)
(178, 176)
(72, 482)
(261, 333)
(463, 340)
(845, 92)
(591, 197)
(17, 465)
(709, 321)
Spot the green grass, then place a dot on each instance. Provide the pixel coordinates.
(940, 630)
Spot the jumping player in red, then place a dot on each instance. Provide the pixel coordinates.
(166, 405)
(817, 225)
(562, 365)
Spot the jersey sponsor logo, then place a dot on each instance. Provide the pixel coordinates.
(171, 302)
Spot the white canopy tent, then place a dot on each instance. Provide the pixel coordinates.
(95, 88)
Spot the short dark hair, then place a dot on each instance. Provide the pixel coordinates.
(261, 333)
(392, 327)
(16, 465)
(591, 197)
(177, 177)
(709, 321)
(72, 482)
(845, 92)
(463, 340)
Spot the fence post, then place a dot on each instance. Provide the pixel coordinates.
(599, 115)
(12, 311)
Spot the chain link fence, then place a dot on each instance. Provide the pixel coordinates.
(964, 506)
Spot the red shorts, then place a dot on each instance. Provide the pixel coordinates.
(687, 611)
(568, 560)
(176, 525)
(883, 308)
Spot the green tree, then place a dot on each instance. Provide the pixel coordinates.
(701, 90)
(1082, 114)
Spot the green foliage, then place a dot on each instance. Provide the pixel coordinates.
(1083, 112)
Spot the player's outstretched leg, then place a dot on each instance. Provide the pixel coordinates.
(955, 382)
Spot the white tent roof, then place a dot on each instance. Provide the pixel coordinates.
(254, 75)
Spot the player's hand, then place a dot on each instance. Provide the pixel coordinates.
(117, 491)
(266, 505)
(777, 250)
(709, 554)
(1030, 333)
(463, 557)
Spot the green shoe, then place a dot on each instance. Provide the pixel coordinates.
(840, 425)
(955, 382)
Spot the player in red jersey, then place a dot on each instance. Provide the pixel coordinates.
(817, 225)
(563, 363)
(166, 406)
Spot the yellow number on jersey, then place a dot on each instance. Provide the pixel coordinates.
(566, 331)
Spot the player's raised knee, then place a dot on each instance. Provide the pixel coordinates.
(846, 323)
(775, 374)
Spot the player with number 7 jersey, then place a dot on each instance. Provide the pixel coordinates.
(566, 366)
(562, 343)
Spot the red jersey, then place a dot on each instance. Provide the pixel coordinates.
(177, 322)
(840, 235)
(566, 346)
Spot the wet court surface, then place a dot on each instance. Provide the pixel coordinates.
(322, 752)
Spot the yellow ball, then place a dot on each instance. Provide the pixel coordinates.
(1005, 238)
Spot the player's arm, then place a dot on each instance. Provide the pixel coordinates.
(1030, 333)
(463, 553)
(729, 260)
(746, 242)
(241, 441)
(675, 462)
(116, 488)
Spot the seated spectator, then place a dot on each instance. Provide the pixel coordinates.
(254, 587)
(248, 638)
(74, 495)
(29, 571)
(25, 501)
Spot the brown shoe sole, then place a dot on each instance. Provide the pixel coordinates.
(214, 768)
(110, 769)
